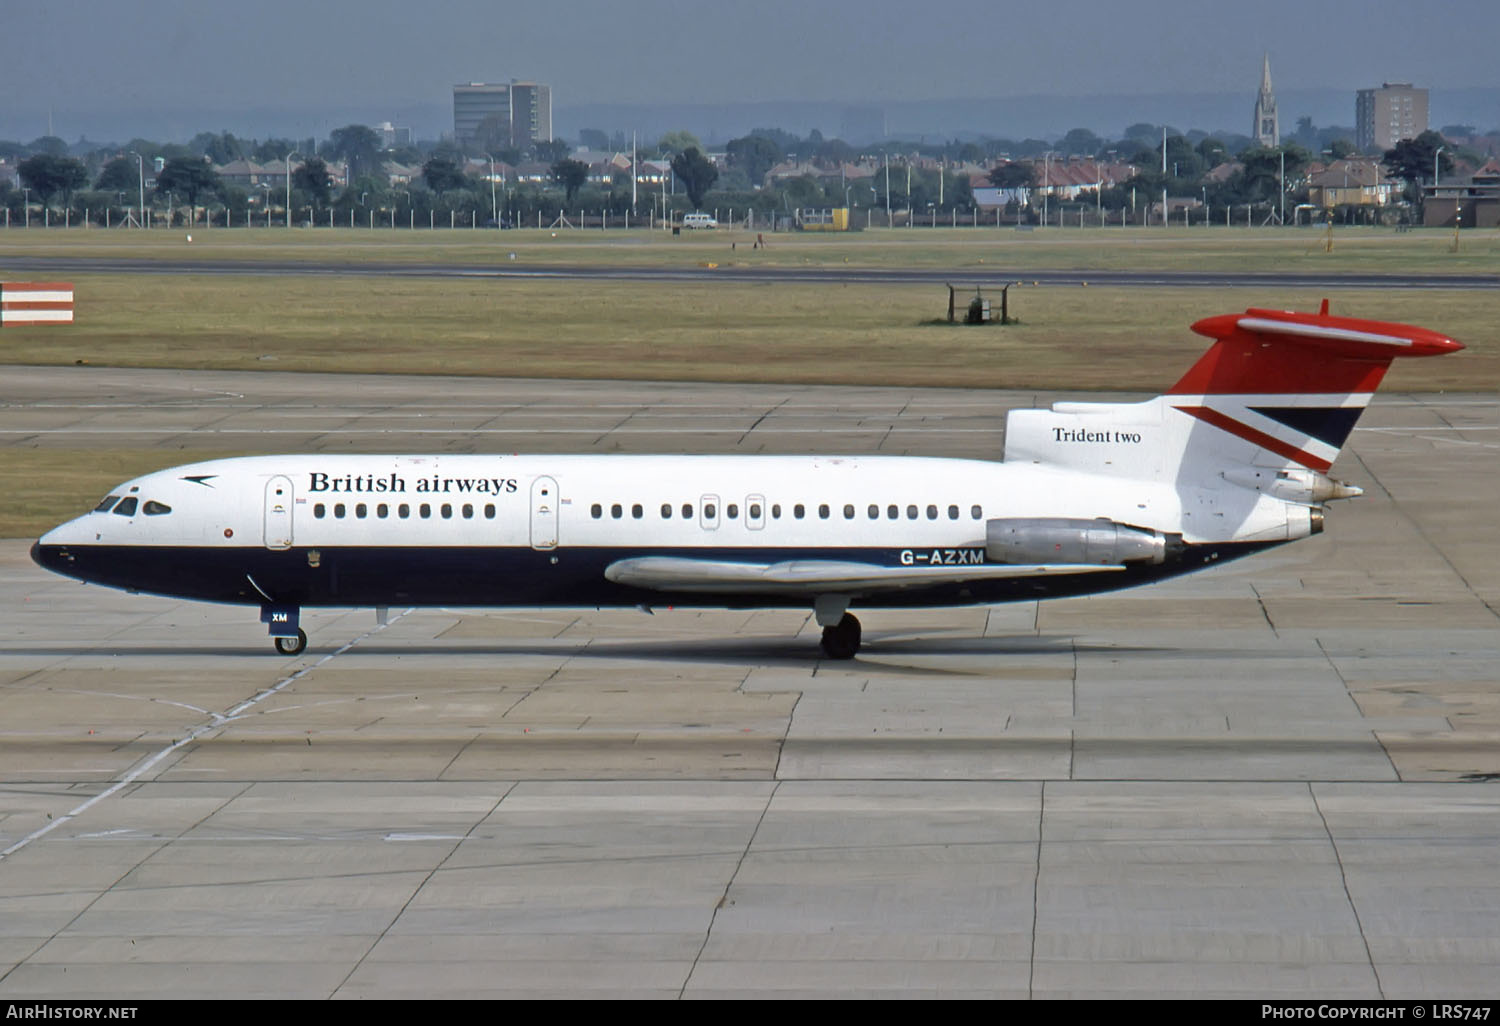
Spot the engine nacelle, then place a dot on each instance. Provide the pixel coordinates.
(1293, 484)
(1101, 542)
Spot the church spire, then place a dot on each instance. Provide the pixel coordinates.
(1267, 130)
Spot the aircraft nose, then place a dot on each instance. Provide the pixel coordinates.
(49, 557)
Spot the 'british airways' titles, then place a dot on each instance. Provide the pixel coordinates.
(394, 483)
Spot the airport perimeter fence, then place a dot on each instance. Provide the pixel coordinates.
(870, 218)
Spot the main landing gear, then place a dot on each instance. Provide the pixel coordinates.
(841, 640)
(841, 632)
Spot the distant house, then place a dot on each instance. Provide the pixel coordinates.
(1056, 179)
(1354, 181)
(534, 172)
(1067, 179)
(249, 174)
(400, 174)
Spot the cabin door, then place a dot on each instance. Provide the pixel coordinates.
(544, 505)
(278, 519)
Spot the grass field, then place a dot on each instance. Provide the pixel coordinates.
(1069, 337)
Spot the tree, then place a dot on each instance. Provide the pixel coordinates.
(1080, 141)
(1013, 176)
(189, 176)
(1413, 160)
(549, 151)
(679, 142)
(1341, 148)
(593, 139)
(359, 145)
(697, 172)
(118, 175)
(1212, 151)
(313, 178)
(755, 155)
(570, 174)
(50, 145)
(443, 175)
(220, 149)
(1262, 175)
(47, 175)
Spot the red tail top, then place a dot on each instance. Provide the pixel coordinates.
(1282, 352)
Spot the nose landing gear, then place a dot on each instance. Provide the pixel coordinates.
(292, 645)
(281, 621)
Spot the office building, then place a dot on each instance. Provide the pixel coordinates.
(497, 115)
(1385, 116)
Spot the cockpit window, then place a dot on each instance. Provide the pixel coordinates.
(108, 501)
(152, 508)
(127, 505)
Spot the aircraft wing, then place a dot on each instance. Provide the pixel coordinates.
(814, 576)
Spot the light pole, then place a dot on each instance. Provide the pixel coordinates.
(1435, 156)
(289, 157)
(140, 167)
(26, 202)
(1046, 185)
(494, 210)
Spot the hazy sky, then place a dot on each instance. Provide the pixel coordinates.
(122, 56)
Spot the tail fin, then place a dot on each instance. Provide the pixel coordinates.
(1277, 393)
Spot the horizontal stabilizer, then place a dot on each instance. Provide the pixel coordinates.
(813, 576)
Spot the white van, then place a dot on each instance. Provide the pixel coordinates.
(699, 221)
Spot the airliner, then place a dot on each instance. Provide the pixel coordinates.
(1088, 497)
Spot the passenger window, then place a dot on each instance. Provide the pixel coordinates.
(931, 512)
(320, 510)
(775, 511)
(911, 512)
(424, 511)
(636, 511)
(596, 511)
(108, 501)
(755, 511)
(616, 510)
(976, 512)
(666, 511)
(952, 512)
(152, 508)
(731, 511)
(798, 511)
(360, 510)
(338, 510)
(382, 511)
(468, 511)
(687, 511)
(874, 512)
(710, 511)
(489, 511)
(892, 511)
(823, 511)
(848, 511)
(403, 511)
(447, 511)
